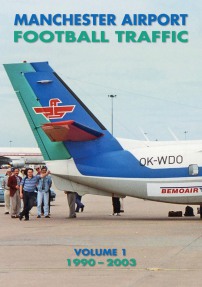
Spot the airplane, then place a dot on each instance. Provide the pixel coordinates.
(84, 157)
(20, 156)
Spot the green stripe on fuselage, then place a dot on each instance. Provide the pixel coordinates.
(50, 150)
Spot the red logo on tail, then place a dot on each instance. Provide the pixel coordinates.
(54, 111)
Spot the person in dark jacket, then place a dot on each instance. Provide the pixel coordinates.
(14, 184)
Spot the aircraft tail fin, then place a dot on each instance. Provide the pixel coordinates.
(62, 125)
(28, 99)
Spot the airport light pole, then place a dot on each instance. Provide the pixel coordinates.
(185, 135)
(112, 115)
(10, 143)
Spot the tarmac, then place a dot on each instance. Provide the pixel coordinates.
(167, 251)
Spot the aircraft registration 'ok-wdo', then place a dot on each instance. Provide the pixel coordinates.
(84, 157)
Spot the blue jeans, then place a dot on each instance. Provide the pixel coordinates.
(43, 196)
(78, 203)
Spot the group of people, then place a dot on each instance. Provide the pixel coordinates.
(23, 187)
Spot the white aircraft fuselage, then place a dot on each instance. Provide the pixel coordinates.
(155, 155)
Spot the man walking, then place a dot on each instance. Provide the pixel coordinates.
(27, 192)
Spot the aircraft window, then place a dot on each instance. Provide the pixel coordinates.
(193, 169)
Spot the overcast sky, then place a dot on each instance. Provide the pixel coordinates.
(158, 86)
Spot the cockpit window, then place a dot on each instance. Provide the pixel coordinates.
(193, 169)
